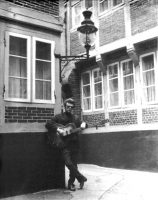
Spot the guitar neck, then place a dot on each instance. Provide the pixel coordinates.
(76, 130)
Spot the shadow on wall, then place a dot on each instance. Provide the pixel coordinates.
(0, 161)
(29, 164)
(66, 91)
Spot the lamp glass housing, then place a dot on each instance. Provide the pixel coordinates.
(87, 38)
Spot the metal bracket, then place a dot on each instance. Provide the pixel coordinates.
(66, 60)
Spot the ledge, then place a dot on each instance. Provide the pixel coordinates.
(126, 128)
(23, 128)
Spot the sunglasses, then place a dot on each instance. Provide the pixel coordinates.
(69, 106)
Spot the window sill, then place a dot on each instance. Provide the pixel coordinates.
(121, 128)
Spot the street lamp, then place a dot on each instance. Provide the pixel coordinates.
(87, 35)
(87, 31)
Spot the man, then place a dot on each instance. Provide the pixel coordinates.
(68, 143)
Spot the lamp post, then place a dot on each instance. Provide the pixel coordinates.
(87, 34)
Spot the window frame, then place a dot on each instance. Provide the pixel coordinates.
(122, 85)
(93, 90)
(74, 25)
(92, 97)
(7, 54)
(141, 78)
(90, 78)
(110, 8)
(118, 67)
(121, 102)
(52, 70)
(30, 68)
(83, 7)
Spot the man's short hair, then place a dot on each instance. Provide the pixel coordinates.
(69, 100)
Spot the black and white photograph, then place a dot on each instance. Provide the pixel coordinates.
(78, 99)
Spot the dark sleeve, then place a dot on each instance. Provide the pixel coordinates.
(52, 124)
(77, 121)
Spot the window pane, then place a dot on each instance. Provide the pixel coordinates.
(128, 82)
(113, 71)
(129, 97)
(148, 62)
(43, 50)
(113, 85)
(17, 88)
(43, 90)
(86, 91)
(128, 68)
(98, 102)
(103, 5)
(114, 99)
(77, 13)
(98, 89)
(149, 78)
(43, 70)
(86, 79)
(88, 4)
(149, 94)
(116, 2)
(18, 46)
(17, 80)
(17, 67)
(97, 76)
(87, 104)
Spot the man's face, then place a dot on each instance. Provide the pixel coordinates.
(69, 107)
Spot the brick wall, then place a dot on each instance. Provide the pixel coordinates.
(149, 115)
(112, 27)
(75, 46)
(95, 120)
(144, 15)
(126, 117)
(27, 114)
(74, 81)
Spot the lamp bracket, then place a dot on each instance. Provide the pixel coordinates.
(65, 60)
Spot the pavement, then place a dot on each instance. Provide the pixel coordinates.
(104, 184)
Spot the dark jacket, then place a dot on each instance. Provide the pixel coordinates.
(71, 141)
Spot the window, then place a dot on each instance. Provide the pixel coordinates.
(117, 2)
(78, 6)
(88, 4)
(105, 5)
(29, 69)
(148, 77)
(86, 91)
(76, 14)
(113, 84)
(92, 90)
(98, 89)
(121, 84)
(128, 82)
(18, 67)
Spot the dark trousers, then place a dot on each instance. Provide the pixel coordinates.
(70, 158)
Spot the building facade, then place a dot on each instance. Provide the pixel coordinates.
(118, 95)
(30, 34)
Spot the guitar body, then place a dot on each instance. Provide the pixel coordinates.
(69, 129)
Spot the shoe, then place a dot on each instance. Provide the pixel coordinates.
(84, 179)
(71, 187)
